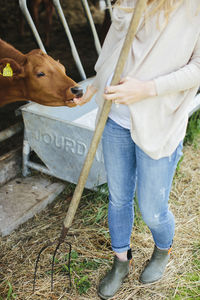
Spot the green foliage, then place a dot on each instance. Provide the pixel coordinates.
(191, 287)
(82, 284)
(95, 206)
(10, 294)
(191, 291)
(79, 268)
(138, 221)
(178, 166)
(193, 129)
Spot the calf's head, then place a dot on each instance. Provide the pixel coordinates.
(40, 78)
(46, 80)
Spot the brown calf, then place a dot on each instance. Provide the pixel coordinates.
(36, 77)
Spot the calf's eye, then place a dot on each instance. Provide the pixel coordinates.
(40, 74)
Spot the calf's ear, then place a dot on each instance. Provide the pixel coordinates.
(35, 52)
(10, 68)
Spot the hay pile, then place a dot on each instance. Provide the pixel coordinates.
(91, 254)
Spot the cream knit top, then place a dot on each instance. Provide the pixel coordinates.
(169, 54)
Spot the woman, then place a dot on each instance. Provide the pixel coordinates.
(142, 140)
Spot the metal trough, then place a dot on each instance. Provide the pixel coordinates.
(60, 137)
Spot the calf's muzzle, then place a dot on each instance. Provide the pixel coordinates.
(77, 91)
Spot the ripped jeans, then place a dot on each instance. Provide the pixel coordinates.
(125, 165)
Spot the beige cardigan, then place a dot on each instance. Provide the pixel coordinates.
(169, 55)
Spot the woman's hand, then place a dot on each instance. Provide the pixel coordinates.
(90, 91)
(130, 90)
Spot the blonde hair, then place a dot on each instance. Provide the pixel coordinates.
(156, 7)
(167, 6)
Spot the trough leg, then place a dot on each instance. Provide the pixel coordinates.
(26, 155)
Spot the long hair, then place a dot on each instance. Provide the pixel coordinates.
(167, 6)
(155, 7)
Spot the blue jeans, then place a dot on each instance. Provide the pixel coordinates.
(127, 165)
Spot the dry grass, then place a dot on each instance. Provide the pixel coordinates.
(90, 242)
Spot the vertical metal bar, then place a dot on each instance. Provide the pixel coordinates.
(109, 5)
(24, 9)
(71, 41)
(90, 19)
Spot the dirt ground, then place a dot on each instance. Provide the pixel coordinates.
(59, 47)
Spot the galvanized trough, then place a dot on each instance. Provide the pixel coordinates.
(61, 136)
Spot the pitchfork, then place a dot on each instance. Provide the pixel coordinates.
(94, 143)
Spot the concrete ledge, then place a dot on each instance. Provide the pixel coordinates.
(22, 198)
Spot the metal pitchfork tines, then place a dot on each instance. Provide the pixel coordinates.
(141, 4)
(59, 242)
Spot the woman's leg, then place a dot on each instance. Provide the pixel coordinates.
(154, 185)
(120, 164)
(119, 158)
(153, 189)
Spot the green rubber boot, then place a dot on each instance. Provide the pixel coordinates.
(156, 266)
(113, 280)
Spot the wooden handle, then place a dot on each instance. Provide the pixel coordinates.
(104, 114)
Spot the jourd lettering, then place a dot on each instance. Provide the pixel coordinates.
(64, 143)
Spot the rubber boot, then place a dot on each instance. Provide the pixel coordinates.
(156, 266)
(113, 280)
